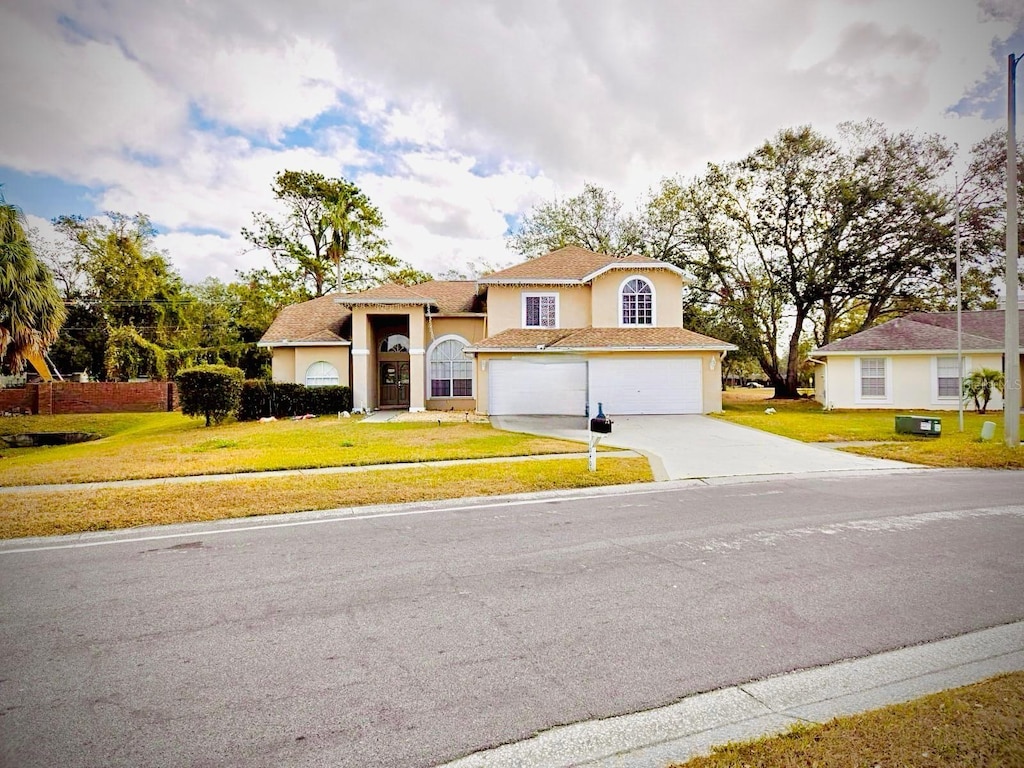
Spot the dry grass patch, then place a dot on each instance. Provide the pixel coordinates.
(45, 514)
(169, 445)
(981, 724)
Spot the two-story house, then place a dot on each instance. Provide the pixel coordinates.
(554, 335)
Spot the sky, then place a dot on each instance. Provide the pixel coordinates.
(456, 117)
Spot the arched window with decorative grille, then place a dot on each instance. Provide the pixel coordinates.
(451, 370)
(322, 374)
(636, 302)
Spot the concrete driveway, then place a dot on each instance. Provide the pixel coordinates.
(682, 447)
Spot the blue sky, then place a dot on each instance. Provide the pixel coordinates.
(455, 117)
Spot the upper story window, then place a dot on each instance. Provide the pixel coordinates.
(540, 310)
(636, 299)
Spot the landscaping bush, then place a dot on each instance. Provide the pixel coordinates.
(213, 391)
(262, 398)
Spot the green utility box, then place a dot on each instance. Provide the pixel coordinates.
(919, 425)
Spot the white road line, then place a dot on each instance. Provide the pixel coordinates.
(868, 525)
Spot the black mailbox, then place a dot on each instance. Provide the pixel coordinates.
(601, 425)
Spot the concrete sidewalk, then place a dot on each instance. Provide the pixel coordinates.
(686, 447)
(695, 724)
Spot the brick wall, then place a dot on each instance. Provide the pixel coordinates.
(60, 397)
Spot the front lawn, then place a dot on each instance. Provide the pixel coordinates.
(72, 511)
(147, 445)
(976, 725)
(806, 421)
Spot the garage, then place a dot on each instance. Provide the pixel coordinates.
(537, 387)
(646, 385)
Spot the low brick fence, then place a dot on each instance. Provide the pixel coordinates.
(59, 397)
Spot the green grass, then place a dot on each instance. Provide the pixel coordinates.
(805, 420)
(73, 511)
(171, 445)
(977, 725)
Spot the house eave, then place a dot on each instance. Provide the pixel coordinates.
(902, 352)
(287, 343)
(633, 267)
(576, 350)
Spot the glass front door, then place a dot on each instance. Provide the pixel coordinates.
(394, 385)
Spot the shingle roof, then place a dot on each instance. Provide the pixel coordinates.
(319, 319)
(570, 263)
(982, 330)
(449, 296)
(566, 339)
(389, 292)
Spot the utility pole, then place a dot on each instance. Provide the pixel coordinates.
(959, 313)
(1011, 353)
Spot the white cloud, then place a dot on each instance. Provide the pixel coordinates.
(453, 115)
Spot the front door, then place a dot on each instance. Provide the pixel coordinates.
(394, 384)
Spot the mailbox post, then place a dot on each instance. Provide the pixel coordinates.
(600, 426)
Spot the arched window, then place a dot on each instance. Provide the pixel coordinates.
(396, 342)
(637, 302)
(451, 371)
(321, 374)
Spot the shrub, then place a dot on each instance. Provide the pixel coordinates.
(129, 356)
(280, 399)
(979, 385)
(213, 391)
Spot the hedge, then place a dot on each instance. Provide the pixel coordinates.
(261, 398)
(212, 391)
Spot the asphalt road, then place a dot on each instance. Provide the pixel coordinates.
(410, 639)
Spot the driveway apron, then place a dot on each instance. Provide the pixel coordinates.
(683, 447)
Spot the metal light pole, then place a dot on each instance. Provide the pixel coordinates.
(1011, 353)
(959, 314)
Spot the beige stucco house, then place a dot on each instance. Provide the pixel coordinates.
(554, 335)
(911, 363)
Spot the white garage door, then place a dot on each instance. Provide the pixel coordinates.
(537, 387)
(645, 385)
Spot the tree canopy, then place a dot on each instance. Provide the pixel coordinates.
(806, 234)
(330, 237)
(31, 308)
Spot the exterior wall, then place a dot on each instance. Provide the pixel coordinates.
(60, 397)
(472, 329)
(282, 364)
(911, 383)
(305, 356)
(505, 306)
(668, 297)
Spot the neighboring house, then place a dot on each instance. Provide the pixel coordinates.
(554, 335)
(910, 363)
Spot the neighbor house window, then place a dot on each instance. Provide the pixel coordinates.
(637, 302)
(540, 310)
(451, 372)
(321, 374)
(872, 377)
(947, 377)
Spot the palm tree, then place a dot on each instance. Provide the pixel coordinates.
(979, 385)
(31, 309)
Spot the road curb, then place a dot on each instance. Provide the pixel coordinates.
(694, 725)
